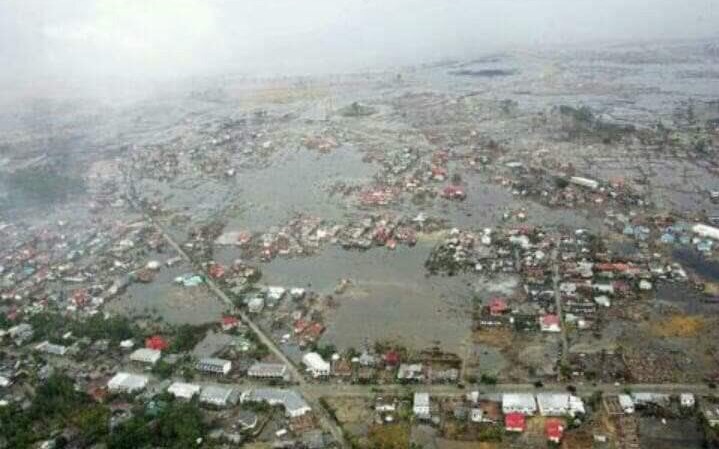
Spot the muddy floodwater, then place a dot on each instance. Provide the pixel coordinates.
(172, 302)
(389, 298)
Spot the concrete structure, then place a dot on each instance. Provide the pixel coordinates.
(127, 383)
(219, 395)
(711, 413)
(214, 366)
(584, 182)
(420, 407)
(523, 403)
(268, 371)
(256, 304)
(145, 355)
(410, 371)
(52, 349)
(559, 404)
(183, 390)
(626, 403)
(293, 403)
(706, 231)
(650, 398)
(476, 415)
(316, 365)
(687, 400)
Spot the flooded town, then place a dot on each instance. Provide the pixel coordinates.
(516, 250)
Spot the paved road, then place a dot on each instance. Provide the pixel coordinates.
(312, 396)
(452, 390)
(558, 299)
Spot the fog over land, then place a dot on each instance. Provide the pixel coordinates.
(99, 46)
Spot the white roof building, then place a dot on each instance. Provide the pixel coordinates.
(256, 304)
(127, 382)
(627, 403)
(267, 370)
(706, 231)
(219, 395)
(183, 390)
(146, 355)
(420, 408)
(5, 382)
(523, 403)
(275, 293)
(293, 403)
(316, 365)
(214, 365)
(687, 400)
(50, 348)
(559, 404)
(650, 398)
(584, 182)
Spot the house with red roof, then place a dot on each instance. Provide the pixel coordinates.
(229, 322)
(554, 429)
(216, 271)
(453, 192)
(515, 422)
(157, 343)
(549, 323)
(391, 358)
(497, 306)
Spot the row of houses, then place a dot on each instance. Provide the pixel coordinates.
(217, 395)
(548, 404)
(208, 365)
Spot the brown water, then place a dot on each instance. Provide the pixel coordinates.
(390, 297)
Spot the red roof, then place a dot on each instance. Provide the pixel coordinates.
(453, 192)
(515, 422)
(391, 358)
(497, 306)
(550, 320)
(156, 342)
(554, 429)
(216, 271)
(229, 321)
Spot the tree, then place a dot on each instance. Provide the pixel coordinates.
(92, 422)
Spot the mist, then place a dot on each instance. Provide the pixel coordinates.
(100, 45)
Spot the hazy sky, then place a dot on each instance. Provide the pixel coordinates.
(135, 39)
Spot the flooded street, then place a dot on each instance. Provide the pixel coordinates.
(389, 298)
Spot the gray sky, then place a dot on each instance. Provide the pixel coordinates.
(91, 40)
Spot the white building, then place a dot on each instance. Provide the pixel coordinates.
(275, 293)
(523, 403)
(687, 400)
(214, 366)
(650, 398)
(268, 371)
(127, 383)
(627, 403)
(256, 304)
(559, 404)
(183, 390)
(5, 382)
(316, 365)
(476, 415)
(421, 408)
(219, 396)
(146, 355)
(584, 182)
(706, 231)
(293, 403)
(50, 348)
